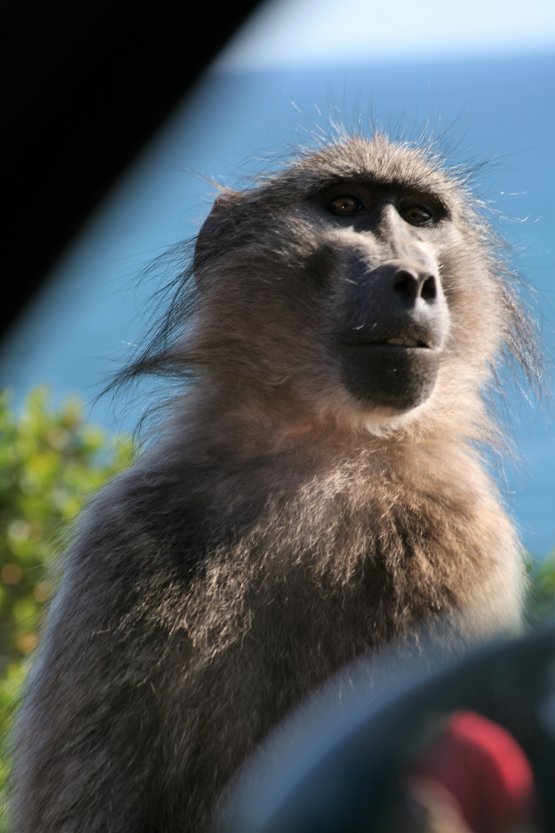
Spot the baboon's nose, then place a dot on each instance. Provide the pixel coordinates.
(412, 284)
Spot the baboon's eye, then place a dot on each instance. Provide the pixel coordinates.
(345, 205)
(417, 215)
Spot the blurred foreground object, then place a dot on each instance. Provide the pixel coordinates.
(477, 769)
(469, 747)
(79, 100)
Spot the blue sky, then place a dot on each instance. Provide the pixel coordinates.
(306, 32)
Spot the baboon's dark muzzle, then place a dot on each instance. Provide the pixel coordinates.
(394, 323)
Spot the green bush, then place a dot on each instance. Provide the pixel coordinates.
(542, 591)
(51, 462)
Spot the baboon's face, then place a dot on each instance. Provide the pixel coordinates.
(391, 320)
(355, 280)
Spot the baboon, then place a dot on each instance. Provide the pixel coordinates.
(315, 493)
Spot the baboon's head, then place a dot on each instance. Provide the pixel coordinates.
(358, 282)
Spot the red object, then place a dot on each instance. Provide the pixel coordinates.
(484, 770)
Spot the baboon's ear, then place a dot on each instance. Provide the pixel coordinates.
(206, 241)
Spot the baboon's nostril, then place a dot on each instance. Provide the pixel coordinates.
(414, 285)
(406, 283)
(428, 289)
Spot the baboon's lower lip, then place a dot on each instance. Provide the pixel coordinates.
(398, 375)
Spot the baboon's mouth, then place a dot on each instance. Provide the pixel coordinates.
(411, 343)
(404, 342)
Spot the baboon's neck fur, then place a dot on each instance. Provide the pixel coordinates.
(327, 504)
(227, 424)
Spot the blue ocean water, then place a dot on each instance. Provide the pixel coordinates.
(495, 115)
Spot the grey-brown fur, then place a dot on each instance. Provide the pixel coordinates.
(280, 527)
